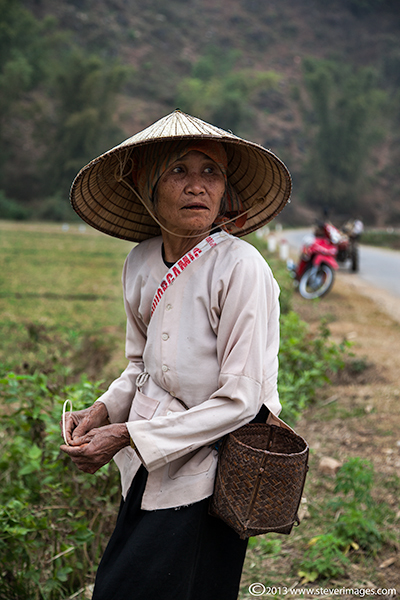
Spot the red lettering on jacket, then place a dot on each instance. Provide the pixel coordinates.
(176, 270)
(154, 305)
(183, 263)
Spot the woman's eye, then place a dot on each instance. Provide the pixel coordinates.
(177, 169)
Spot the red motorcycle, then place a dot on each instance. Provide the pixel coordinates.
(315, 272)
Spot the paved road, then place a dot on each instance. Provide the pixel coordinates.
(379, 267)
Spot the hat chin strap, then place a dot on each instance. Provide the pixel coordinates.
(236, 219)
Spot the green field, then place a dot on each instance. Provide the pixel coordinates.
(60, 294)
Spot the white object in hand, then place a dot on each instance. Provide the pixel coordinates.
(63, 418)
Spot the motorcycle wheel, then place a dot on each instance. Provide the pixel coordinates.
(315, 283)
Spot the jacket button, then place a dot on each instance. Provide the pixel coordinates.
(165, 336)
(168, 307)
(164, 368)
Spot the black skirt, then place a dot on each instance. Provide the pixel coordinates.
(169, 554)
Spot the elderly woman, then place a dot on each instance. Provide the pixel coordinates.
(202, 342)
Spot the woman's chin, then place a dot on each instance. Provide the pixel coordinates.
(190, 226)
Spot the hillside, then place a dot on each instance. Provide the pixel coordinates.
(164, 41)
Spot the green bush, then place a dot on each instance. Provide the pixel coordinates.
(353, 522)
(305, 363)
(52, 517)
(56, 208)
(306, 360)
(9, 209)
(357, 522)
(389, 239)
(324, 558)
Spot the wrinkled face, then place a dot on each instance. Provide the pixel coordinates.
(189, 194)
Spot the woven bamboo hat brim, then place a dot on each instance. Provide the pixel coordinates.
(103, 192)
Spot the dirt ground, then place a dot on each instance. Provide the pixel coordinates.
(359, 414)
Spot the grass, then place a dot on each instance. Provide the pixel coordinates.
(59, 287)
(58, 277)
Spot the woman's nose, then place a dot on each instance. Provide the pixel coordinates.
(194, 184)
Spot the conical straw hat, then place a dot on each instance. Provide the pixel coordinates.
(103, 192)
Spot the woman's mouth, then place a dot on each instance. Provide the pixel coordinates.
(195, 206)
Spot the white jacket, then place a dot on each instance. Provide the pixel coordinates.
(212, 343)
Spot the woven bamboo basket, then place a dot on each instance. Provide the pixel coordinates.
(260, 479)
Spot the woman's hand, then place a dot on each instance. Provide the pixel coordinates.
(96, 448)
(81, 422)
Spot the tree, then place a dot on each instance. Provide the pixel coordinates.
(81, 124)
(21, 60)
(218, 93)
(57, 106)
(341, 124)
